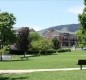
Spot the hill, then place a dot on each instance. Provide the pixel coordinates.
(64, 28)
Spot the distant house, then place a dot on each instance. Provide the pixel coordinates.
(65, 38)
(51, 34)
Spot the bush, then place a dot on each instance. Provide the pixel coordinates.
(48, 52)
(33, 52)
(16, 52)
(63, 50)
(51, 51)
(43, 52)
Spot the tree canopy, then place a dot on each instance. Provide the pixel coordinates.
(34, 36)
(42, 44)
(81, 33)
(7, 20)
(82, 17)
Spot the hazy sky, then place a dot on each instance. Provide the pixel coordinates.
(41, 14)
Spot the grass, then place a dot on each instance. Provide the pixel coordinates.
(59, 60)
(60, 75)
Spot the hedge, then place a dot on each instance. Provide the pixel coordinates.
(63, 50)
(33, 52)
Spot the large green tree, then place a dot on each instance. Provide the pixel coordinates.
(7, 20)
(81, 33)
(82, 17)
(7, 36)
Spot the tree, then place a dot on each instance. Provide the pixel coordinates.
(81, 34)
(56, 43)
(7, 20)
(7, 36)
(42, 44)
(81, 38)
(22, 39)
(34, 36)
(82, 17)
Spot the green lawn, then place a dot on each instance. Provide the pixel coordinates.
(59, 75)
(59, 60)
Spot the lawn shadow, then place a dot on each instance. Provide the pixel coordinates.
(13, 78)
(19, 78)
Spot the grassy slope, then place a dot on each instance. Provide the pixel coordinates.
(61, 60)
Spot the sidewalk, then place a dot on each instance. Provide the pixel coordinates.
(35, 70)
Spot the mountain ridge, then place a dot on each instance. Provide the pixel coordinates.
(64, 28)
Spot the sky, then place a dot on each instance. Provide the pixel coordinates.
(42, 14)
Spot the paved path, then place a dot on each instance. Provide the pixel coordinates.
(35, 70)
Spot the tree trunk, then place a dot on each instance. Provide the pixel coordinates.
(1, 58)
(82, 48)
(25, 53)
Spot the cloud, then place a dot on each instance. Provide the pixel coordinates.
(76, 9)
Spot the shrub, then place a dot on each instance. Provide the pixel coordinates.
(48, 52)
(33, 52)
(43, 52)
(64, 50)
(16, 52)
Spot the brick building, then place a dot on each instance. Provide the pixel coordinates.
(65, 38)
